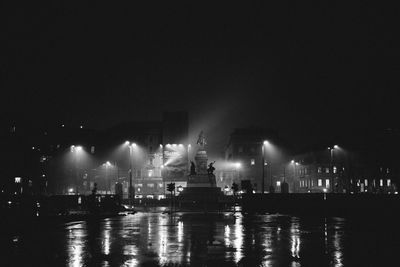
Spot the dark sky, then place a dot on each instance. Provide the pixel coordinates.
(309, 70)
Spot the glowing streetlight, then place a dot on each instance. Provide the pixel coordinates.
(331, 149)
(271, 188)
(131, 190)
(107, 165)
(76, 150)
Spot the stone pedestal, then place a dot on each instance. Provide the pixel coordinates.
(201, 191)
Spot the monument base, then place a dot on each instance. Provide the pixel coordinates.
(201, 198)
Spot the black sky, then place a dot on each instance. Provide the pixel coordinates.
(310, 70)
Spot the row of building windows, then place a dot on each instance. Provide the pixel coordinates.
(308, 183)
(160, 185)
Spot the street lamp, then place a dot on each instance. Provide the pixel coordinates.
(76, 150)
(131, 191)
(271, 187)
(331, 149)
(294, 170)
(108, 164)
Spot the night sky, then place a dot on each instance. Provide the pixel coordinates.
(311, 71)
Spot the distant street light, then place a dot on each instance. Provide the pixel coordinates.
(131, 191)
(331, 150)
(107, 165)
(271, 188)
(76, 150)
(294, 170)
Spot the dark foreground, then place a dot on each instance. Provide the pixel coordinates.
(198, 239)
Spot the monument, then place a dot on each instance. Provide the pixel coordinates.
(201, 190)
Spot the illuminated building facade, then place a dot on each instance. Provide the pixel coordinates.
(245, 149)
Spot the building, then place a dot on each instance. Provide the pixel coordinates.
(245, 150)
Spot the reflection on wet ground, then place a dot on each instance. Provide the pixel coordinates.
(198, 239)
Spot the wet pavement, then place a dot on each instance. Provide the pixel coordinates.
(198, 239)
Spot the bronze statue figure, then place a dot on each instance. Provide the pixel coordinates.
(210, 168)
(192, 168)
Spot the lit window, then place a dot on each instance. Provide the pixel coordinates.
(150, 185)
(252, 161)
(319, 182)
(17, 180)
(327, 183)
(312, 183)
(92, 149)
(301, 183)
(366, 182)
(139, 185)
(387, 170)
(334, 169)
(150, 173)
(160, 185)
(319, 169)
(327, 170)
(381, 182)
(278, 183)
(388, 182)
(138, 189)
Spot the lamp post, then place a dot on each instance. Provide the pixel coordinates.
(76, 150)
(331, 149)
(106, 165)
(271, 187)
(294, 170)
(131, 189)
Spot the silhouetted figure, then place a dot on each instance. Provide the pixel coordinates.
(211, 168)
(192, 168)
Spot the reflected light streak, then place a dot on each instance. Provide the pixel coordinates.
(180, 231)
(162, 242)
(337, 254)
(238, 243)
(295, 240)
(227, 233)
(75, 247)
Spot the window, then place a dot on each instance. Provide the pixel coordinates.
(252, 162)
(326, 170)
(150, 173)
(301, 183)
(160, 185)
(387, 170)
(139, 185)
(150, 185)
(327, 183)
(312, 183)
(366, 182)
(381, 182)
(319, 182)
(388, 182)
(278, 183)
(319, 169)
(334, 169)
